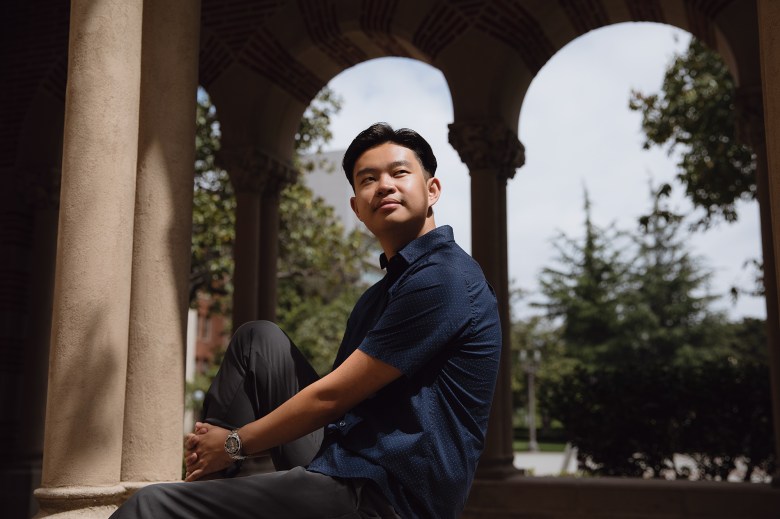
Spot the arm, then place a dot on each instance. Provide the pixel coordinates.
(356, 379)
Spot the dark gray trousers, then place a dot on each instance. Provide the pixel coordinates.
(262, 368)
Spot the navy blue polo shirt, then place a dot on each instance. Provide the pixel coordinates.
(433, 317)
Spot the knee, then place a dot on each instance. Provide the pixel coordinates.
(260, 336)
(259, 329)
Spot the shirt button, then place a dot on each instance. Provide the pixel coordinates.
(342, 423)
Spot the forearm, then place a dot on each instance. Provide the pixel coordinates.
(305, 412)
(357, 378)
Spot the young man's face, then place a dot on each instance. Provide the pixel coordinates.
(393, 195)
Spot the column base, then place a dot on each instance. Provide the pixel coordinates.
(79, 502)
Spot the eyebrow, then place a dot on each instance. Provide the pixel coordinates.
(392, 165)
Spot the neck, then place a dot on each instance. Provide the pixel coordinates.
(393, 243)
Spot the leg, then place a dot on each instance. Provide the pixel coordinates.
(293, 494)
(262, 369)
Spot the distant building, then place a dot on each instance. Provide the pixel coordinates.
(327, 181)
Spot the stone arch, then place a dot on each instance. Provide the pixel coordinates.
(283, 51)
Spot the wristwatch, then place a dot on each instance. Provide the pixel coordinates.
(233, 446)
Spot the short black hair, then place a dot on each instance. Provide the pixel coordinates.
(380, 133)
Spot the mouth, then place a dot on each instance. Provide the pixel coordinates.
(387, 203)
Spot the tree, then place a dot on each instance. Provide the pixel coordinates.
(668, 316)
(674, 376)
(319, 264)
(213, 212)
(695, 110)
(585, 291)
(320, 274)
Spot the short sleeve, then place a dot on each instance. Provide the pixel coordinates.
(425, 312)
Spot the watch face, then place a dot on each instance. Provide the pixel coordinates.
(231, 444)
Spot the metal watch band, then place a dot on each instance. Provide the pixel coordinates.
(233, 446)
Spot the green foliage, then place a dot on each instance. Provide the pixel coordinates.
(314, 130)
(667, 315)
(632, 297)
(213, 213)
(584, 291)
(319, 274)
(696, 111)
(655, 367)
(670, 375)
(537, 334)
(319, 265)
(716, 412)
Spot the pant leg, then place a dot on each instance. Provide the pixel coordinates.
(261, 370)
(293, 494)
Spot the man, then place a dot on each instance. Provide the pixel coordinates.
(396, 429)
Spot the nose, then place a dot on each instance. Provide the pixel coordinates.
(385, 185)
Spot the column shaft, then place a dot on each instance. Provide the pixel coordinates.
(161, 248)
(492, 153)
(83, 438)
(258, 178)
(770, 289)
(488, 246)
(769, 43)
(269, 255)
(246, 257)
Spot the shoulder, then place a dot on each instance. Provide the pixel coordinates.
(448, 263)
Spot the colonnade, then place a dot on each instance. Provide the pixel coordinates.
(115, 395)
(258, 180)
(120, 293)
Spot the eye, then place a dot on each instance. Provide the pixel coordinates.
(400, 172)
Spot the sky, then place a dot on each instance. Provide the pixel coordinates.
(578, 133)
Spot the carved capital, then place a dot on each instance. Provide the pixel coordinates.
(255, 171)
(488, 146)
(749, 104)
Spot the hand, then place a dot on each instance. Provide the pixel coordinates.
(205, 451)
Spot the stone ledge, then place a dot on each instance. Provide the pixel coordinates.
(79, 501)
(613, 498)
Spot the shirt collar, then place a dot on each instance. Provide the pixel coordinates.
(418, 247)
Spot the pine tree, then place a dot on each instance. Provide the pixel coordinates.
(669, 317)
(585, 291)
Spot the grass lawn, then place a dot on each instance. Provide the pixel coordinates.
(522, 446)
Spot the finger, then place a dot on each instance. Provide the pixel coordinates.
(192, 442)
(194, 475)
(192, 458)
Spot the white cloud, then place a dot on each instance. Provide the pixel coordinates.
(577, 130)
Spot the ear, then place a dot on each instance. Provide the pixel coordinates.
(353, 205)
(434, 190)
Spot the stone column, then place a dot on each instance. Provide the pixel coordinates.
(258, 179)
(85, 407)
(750, 118)
(278, 176)
(492, 153)
(154, 403)
(769, 44)
(248, 186)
